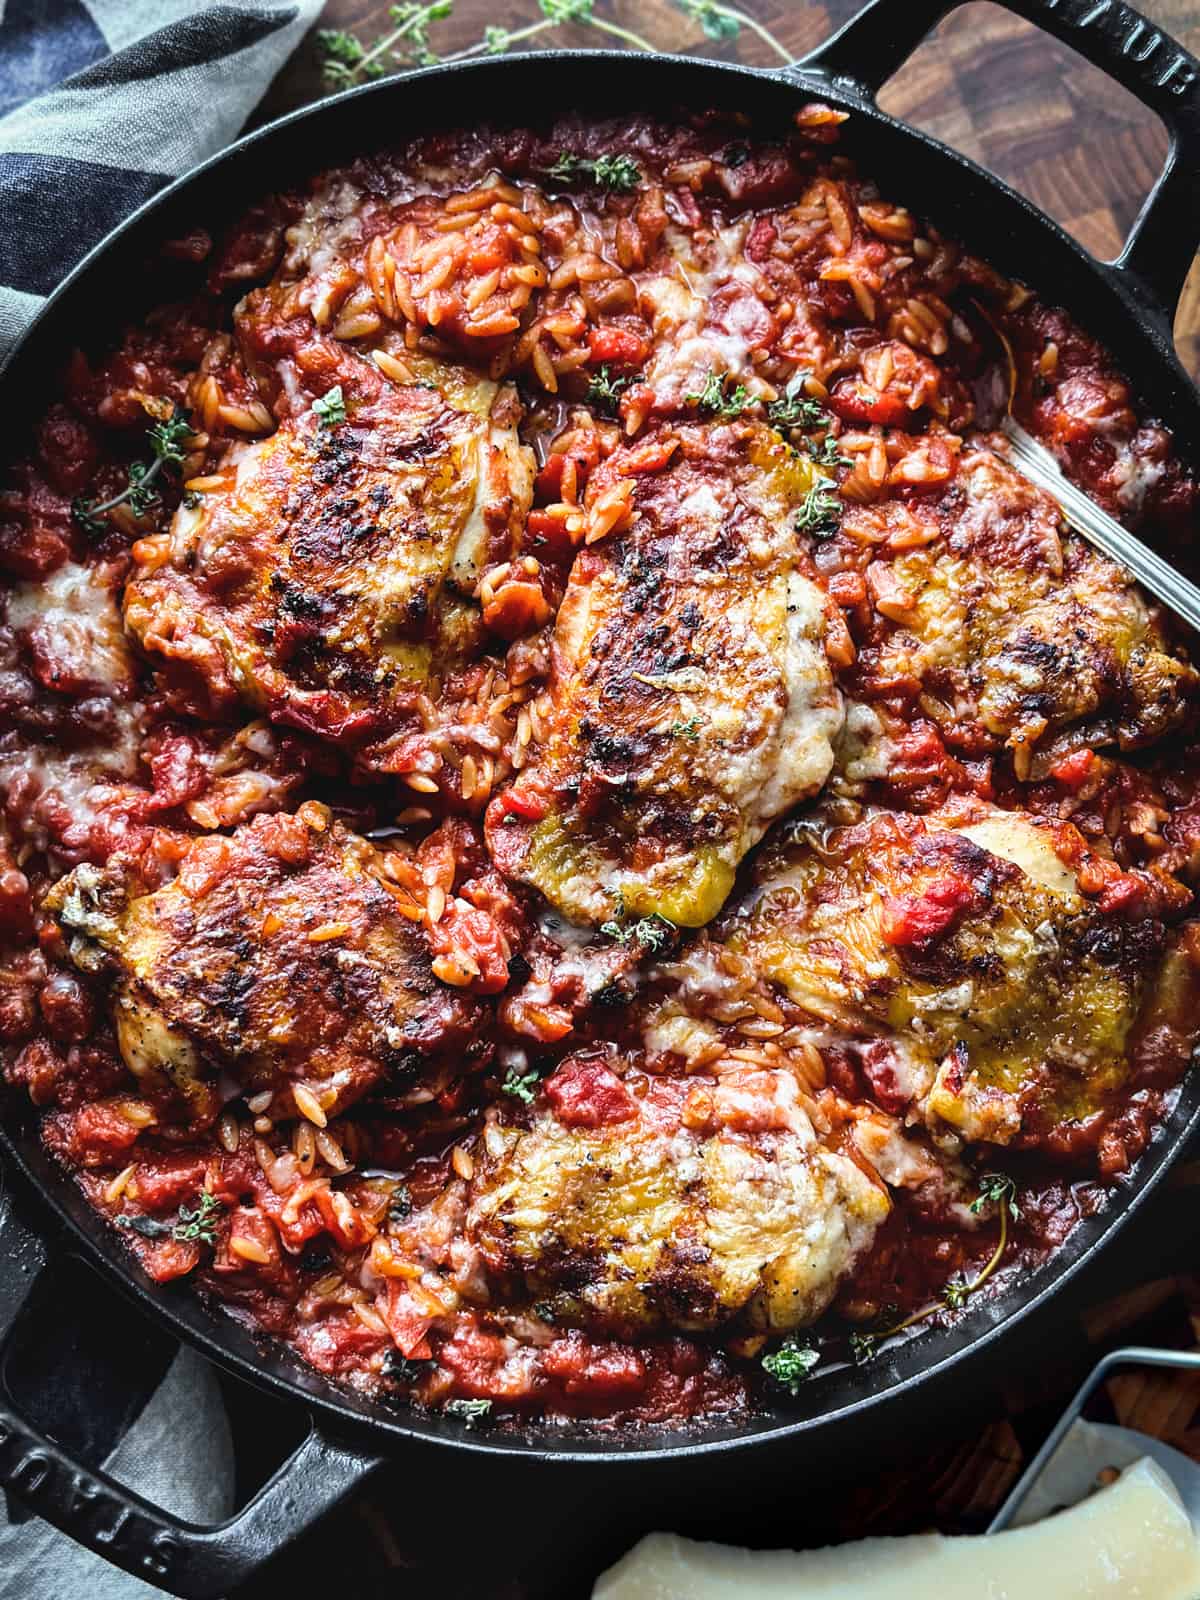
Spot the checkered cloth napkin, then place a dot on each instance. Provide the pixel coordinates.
(102, 102)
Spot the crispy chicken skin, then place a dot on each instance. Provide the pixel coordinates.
(634, 1202)
(334, 568)
(693, 698)
(276, 955)
(1012, 632)
(983, 986)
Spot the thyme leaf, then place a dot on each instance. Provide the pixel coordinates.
(997, 1188)
(794, 408)
(148, 1227)
(604, 391)
(791, 1363)
(718, 398)
(653, 933)
(863, 1347)
(618, 174)
(469, 1410)
(523, 1086)
(330, 409)
(819, 512)
(191, 1227)
(199, 1226)
(166, 440)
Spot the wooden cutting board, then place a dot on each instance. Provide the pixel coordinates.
(1084, 151)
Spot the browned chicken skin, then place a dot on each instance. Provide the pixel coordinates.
(279, 955)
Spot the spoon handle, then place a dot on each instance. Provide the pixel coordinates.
(1035, 462)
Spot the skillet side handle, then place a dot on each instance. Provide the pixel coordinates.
(93, 1509)
(1157, 70)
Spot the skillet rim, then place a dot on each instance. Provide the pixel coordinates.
(287, 1377)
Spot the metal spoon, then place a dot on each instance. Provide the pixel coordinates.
(1033, 461)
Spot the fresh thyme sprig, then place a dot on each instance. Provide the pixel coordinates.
(166, 441)
(995, 1188)
(726, 22)
(470, 1411)
(616, 173)
(197, 1226)
(795, 408)
(346, 60)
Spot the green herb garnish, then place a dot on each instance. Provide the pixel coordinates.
(617, 174)
(997, 1188)
(826, 454)
(652, 933)
(819, 512)
(956, 1294)
(791, 1364)
(719, 399)
(794, 408)
(863, 1347)
(166, 441)
(200, 1224)
(469, 1410)
(330, 409)
(346, 60)
(522, 1086)
(689, 729)
(604, 391)
(192, 1227)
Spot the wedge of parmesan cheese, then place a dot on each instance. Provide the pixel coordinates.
(1133, 1540)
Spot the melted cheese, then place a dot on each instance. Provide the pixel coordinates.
(73, 617)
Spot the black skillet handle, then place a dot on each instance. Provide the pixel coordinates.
(1142, 58)
(93, 1509)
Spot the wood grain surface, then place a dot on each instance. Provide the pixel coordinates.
(1082, 149)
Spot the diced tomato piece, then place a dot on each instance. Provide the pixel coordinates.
(206, 863)
(548, 482)
(406, 1324)
(921, 918)
(168, 1258)
(342, 1220)
(336, 1344)
(1073, 770)
(522, 802)
(855, 401)
(167, 1181)
(617, 347)
(587, 1094)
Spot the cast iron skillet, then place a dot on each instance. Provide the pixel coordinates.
(1129, 304)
